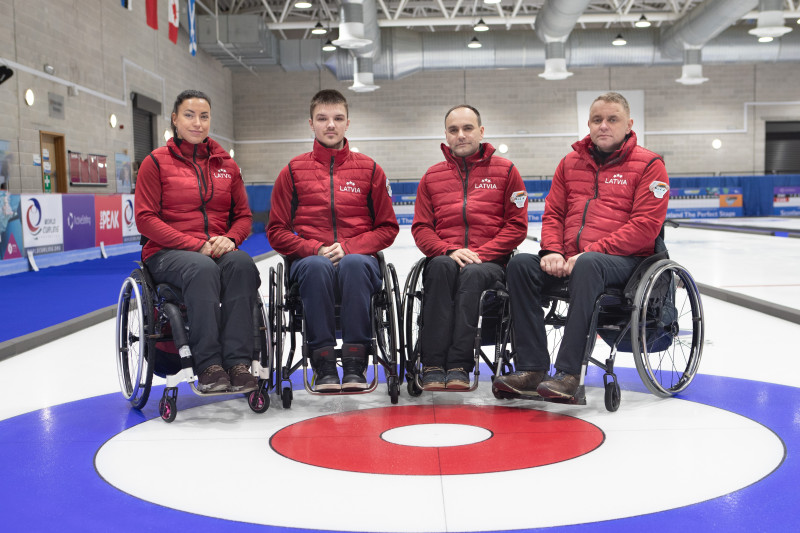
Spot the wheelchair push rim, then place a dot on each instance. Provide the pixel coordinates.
(133, 339)
(666, 372)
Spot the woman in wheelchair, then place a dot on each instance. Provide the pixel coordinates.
(192, 212)
(605, 208)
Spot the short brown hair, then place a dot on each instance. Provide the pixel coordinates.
(615, 98)
(459, 106)
(328, 97)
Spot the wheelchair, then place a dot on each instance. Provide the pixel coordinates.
(151, 338)
(493, 329)
(287, 319)
(657, 316)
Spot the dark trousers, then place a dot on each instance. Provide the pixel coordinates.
(219, 295)
(352, 282)
(450, 310)
(593, 272)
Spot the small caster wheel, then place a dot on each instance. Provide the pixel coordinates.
(394, 389)
(612, 396)
(412, 388)
(167, 409)
(286, 397)
(258, 401)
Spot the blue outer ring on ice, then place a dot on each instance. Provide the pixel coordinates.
(48, 480)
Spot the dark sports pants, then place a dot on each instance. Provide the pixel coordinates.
(219, 295)
(593, 272)
(450, 310)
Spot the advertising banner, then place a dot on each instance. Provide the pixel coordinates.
(786, 201)
(10, 226)
(705, 202)
(42, 223)
(404, 208)
(78, 212)
(129, 231)
(108, 219)
(536, 206)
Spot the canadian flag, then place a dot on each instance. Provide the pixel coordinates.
(173, 20)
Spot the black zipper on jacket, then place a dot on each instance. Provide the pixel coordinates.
(464, 183)
(586, 209)
(201, 186)
(333, 210)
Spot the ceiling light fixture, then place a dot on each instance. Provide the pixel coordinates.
(481, 26)
(29, 97)
(716, 144)
(167, 134)
(474, 43)
(112, 120)
(491, 1)
(328, 46)
(319, 29)
(642, 22)
(765, 39)
(619, 41)
(302, 4)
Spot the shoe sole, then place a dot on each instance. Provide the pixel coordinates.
(511, 390)
(334, 387)
(347, 387)
(555, 395)
(433, 387)
(244, 388)
(457, 385)
(214, 387)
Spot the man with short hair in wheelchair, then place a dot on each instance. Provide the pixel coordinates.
(605, 208)
(331, 214)
(471, 212)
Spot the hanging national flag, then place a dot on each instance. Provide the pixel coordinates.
(152, 13)
(192, 28)
(172, 17)
(126, 4)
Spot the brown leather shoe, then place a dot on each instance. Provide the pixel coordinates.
(520, 383)
(559, 386)
(213, 379)
(241, 379)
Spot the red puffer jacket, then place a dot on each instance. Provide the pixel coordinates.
(477, 202)
(327, 196)
(187, 193)
(616, 208)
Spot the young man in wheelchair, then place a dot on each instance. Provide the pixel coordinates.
(331, 213)
(602, 215)
(471, 212)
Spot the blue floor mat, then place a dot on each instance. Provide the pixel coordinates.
(36, 300)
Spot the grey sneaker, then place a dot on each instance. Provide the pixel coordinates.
(457, 379)
(241, 379)
(433, 378)
(522, 383)
(213, 379)
(561, 386)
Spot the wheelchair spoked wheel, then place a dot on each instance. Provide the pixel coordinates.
(398, 303)
(667, 332)
(555, 320)
(412, 323)
(385, 326)
(134, 339)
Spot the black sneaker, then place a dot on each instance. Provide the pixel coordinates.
(354, 367)
(213, 379)
(433, 378)
(326, 376)
(522, 383)
(241, 379)
(457, 379)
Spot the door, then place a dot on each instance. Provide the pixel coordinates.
(54, 162)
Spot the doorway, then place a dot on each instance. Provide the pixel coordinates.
(782, 154)
(53, 152)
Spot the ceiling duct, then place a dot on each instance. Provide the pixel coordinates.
(237, 40)
(363, 78)
(692, 69)
(405, 52)
(553, 25)
(351, 27)
(769, 22)
(703, 23)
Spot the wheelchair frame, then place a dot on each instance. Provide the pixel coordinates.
(148, 314)
(287, 319)
(633, 314)
(499, 328)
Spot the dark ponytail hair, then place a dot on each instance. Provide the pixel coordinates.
(185, 95)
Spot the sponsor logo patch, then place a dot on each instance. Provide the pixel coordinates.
(519, 198)
(659, 189)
